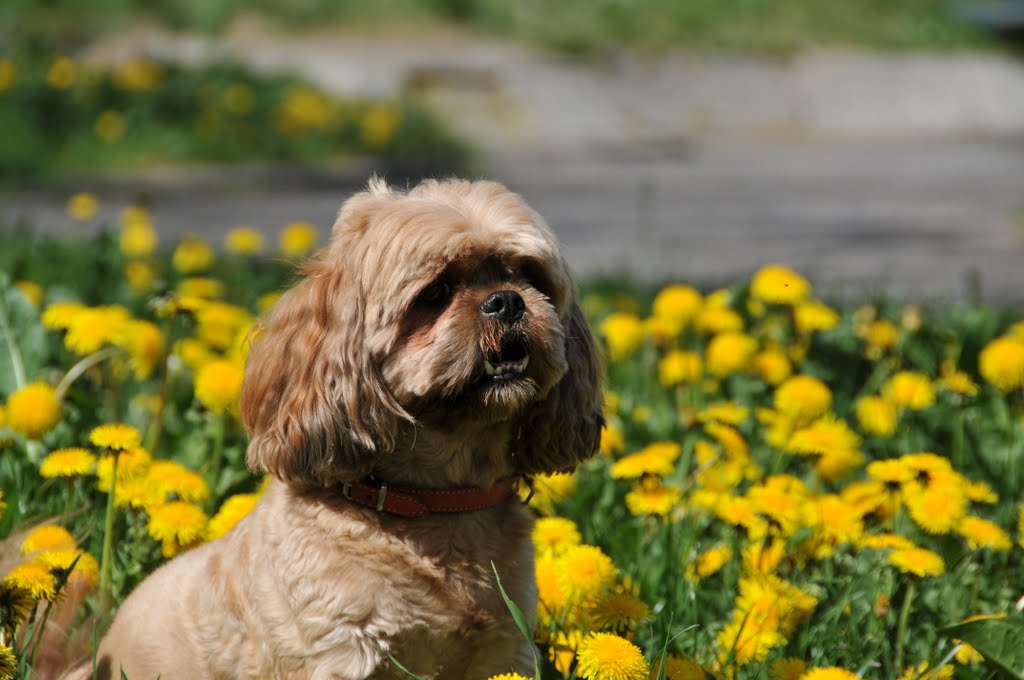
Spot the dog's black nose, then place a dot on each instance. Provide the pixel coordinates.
(505, 305)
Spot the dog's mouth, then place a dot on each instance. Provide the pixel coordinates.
(509, 363)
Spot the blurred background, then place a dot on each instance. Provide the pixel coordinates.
(877, 146)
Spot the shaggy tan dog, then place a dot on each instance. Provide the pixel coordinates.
(434, 343)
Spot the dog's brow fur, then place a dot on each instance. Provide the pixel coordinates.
(346, 379)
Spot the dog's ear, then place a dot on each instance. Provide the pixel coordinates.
(564, 429)
(315, 405)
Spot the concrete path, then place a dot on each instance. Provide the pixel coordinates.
(911, 219)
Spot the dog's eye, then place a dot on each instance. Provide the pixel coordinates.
(436, 295)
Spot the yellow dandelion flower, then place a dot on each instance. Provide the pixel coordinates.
(651, 497)
(729, 437)
(920, 671)
(835, 464)
(623, 333)
(980, 492)
(679, 367)
(60, 315)
(220, 323)
(552, 597)
(604, 656)
(378, 126)
(829, 673)
(876, 416)
(956, 381)
(729, 353)
(16, 604)
(709, 562)
(716, 319)
(910, 389)
(69, 462)
(144, 342)
(92, 327)
(140, 276)
(192, 254)
(548, 490)
(8, 74)
(967, 655)
(109, 126)
(35, 577)
(880, 336)
(726, 412)
(917, 561)
(787, 668)
(231, 513)
(678, 305)
(194, 353)
(83, 206)
(297, 239)
(620, 611)
(219, 385)
(747, 641)
(612, 440)
(47, 537)
(803, 398)
(508, 676)
(823, 436)
(244, 241)
(764, 557)
(168, 477)
(839, 522)
(115, 436)
(886, 541)
(33, 292)
(1001, 362)
(812, 316)
(779, 285)
(137, 74)
(981, 533)
(86, 569)
(658, 458)
(138, 238)
(938, 508)
(178, 525)
(773, 366)
(585, 573)
(555, 534)
(200, 287)
(131, 464)
(33, 410)
(62, 73)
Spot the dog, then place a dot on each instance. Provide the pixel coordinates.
(433, 354)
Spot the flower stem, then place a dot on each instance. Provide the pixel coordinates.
(17, 364)
(81, 367)
(901, 627)
(106, 557)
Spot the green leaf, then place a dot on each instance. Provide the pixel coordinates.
(404, 669)
(1000, 641)
(521, 622)
(22, 338)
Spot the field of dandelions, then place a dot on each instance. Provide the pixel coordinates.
(784, 490)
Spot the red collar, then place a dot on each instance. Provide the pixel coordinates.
(407, 501)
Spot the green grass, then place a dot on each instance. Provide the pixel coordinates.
(760, 26)
(863, 613)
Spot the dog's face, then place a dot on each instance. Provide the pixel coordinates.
(444, 307)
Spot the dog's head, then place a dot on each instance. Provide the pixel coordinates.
(446, 305)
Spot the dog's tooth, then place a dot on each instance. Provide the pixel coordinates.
(523, 363)
(489, 368)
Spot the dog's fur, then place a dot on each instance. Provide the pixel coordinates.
(368, 367)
